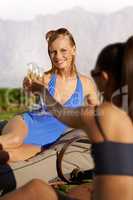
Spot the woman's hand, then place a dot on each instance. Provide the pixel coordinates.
(90, 100)
(36, 87)
(33, 85)
(27, 84)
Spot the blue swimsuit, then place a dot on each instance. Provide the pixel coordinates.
(45, 129)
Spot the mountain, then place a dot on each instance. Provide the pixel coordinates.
(22, 42)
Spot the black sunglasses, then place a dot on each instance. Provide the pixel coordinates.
(95, 73)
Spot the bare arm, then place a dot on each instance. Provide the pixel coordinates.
(89, 90)
(93, 98)
(71, 117)
(33, 190)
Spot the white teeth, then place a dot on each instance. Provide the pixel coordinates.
(60, 62)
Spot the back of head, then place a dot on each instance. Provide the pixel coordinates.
(110, 61)
(128, 73)
(117, 60)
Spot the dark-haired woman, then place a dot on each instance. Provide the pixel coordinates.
(109, 125)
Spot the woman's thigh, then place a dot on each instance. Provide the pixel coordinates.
(24, 152)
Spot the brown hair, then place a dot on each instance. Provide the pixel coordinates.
(110, 61)
(51, 36)
(127, 73)
(117, 59)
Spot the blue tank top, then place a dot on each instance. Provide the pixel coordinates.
(45, 129)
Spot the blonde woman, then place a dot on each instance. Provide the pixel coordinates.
(25, 134)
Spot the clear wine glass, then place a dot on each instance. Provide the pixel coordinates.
(36, 73)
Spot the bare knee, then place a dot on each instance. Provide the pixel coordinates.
(11, 140)
(42, 190)
(37, 183)
(16, 140)
(14, 133)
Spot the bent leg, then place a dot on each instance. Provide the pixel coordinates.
(13, 133)
(12, 139)
(24, 152)
(35, 190)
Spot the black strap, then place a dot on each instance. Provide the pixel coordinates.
(98, 123)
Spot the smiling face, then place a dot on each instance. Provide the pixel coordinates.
(62, 53)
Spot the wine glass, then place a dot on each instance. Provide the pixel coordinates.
(36, 73)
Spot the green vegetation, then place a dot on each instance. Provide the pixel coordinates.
(12, 101)
(6, 115)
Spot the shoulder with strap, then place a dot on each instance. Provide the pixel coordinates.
(98, 114)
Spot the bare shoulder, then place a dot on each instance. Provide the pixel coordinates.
(85, 79)
(112, 111)
(89, 90)
(88, 83)
(115, 121)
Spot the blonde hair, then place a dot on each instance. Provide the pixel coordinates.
(51, 36)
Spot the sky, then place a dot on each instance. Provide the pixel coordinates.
(27, 10)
